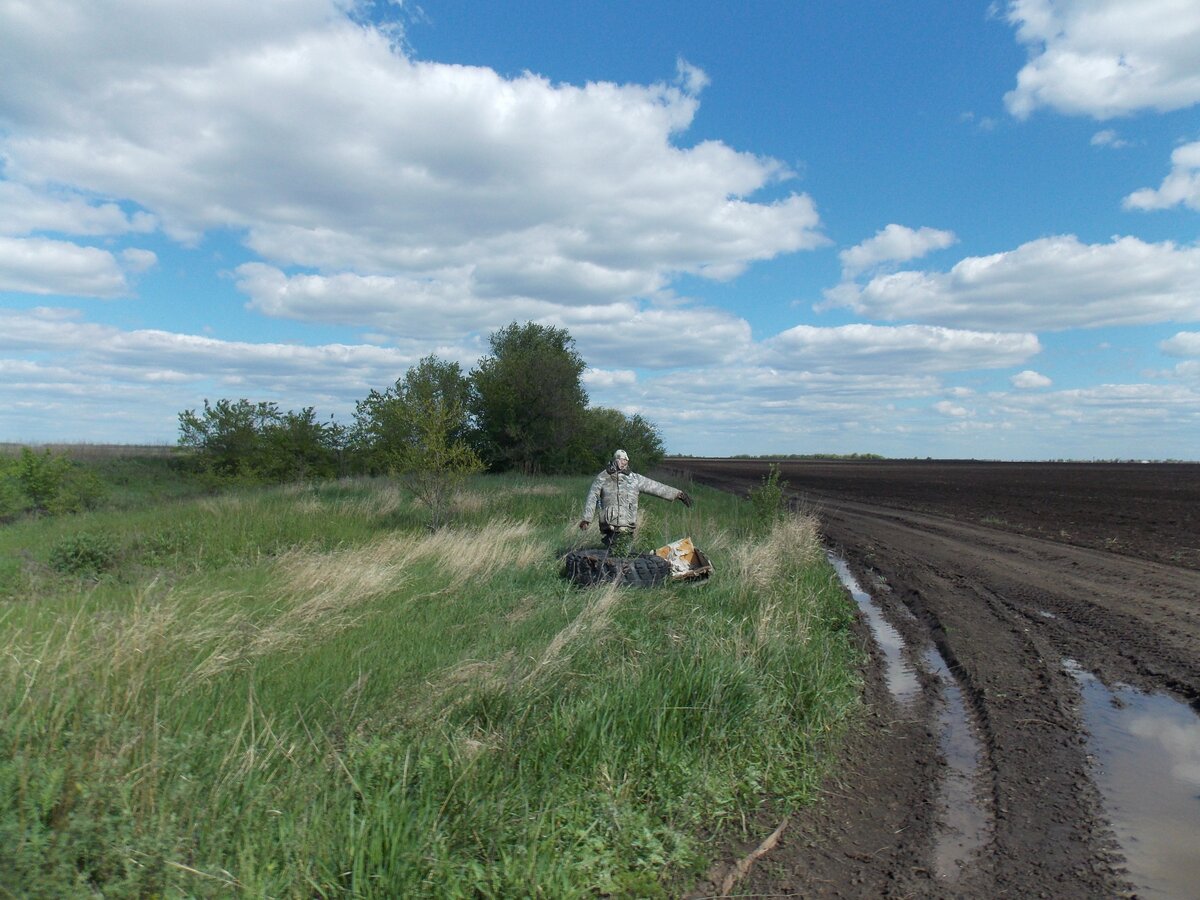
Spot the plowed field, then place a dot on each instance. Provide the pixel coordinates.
(1019, 576)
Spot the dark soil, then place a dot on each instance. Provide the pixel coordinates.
(1008, 569)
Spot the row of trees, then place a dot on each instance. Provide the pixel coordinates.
(522, 408)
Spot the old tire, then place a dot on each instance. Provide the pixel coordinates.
(587, 567)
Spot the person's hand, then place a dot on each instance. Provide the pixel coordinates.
(583, 524)
(686, 499)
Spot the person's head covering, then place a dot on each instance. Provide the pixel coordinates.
(620, 454)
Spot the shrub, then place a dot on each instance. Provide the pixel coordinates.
(769, 500)
(87, 553)
(46, 483)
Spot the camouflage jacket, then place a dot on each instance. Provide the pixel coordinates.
(616, 493)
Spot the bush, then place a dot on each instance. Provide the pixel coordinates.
(769, 500)
(86, 554)
(46, 483)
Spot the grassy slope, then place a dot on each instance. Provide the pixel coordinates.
(299, 692)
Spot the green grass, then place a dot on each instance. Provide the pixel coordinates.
(302, 692)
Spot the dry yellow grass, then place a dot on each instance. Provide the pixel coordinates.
(500, 543)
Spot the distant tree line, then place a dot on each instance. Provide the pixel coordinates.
(522, 408)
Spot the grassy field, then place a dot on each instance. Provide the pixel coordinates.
(299, 692)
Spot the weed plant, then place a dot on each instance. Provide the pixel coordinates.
(303, 692)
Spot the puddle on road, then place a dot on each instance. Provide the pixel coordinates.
(901, 677)
(964, 820)
(1146, 749)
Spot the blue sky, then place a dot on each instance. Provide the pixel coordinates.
(774, 227)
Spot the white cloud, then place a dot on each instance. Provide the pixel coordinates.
(148, 355)
(1108, 138)
(894, 243)
(138, 260)
(892, 349)
(1106, 58)
(1180, 187)
(1184, 343)
(1029, 380)
(204, 115)
(1051, 283)
(658, 338)
(44, 266)
(953, 410)
(608, 379)
(24, 210)
(451, 305)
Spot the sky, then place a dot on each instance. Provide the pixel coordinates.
(952, 229)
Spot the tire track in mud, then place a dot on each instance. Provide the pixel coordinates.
(1004, 610)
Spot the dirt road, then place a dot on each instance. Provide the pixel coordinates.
(1022, 579)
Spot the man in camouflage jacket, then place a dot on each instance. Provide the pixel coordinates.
(616, 491)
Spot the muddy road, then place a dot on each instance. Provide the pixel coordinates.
(1031, 726)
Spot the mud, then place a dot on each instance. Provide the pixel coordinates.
(1019, 577)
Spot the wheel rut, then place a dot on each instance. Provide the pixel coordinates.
(1016, 619)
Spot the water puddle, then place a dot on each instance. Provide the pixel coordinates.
(1146, 749)
(964, 820)
(965, 823)
(901, 677)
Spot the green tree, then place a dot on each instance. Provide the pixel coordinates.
(297, 446)
(228, 436)
(527, 399)
(604, 430)
(384, 424)
(418, 430)
(255, 441)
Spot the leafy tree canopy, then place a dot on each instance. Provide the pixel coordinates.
(527, 399)
(604, 430)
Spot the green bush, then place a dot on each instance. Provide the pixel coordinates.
(769, 500)
(83, 554)
(46, 483)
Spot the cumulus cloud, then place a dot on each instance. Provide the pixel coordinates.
(1106, 58)
(889, 349)
(1180, 187)
(608, 379)
(658, 338)
(1052, 283)
(203, 115)
(44, 266)
(611, 333)
(951, 409)
(1184, 343)
(150, 355)
(24, 210)
(894, 243)
(1030, 379)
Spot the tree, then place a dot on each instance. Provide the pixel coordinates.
(256, 441)
(418, 430)
(228, 436)
(527, 398)
(296, 447)
(604, 430)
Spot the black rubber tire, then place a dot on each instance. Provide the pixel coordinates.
(588, 567)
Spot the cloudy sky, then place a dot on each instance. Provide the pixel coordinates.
(775, 227)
